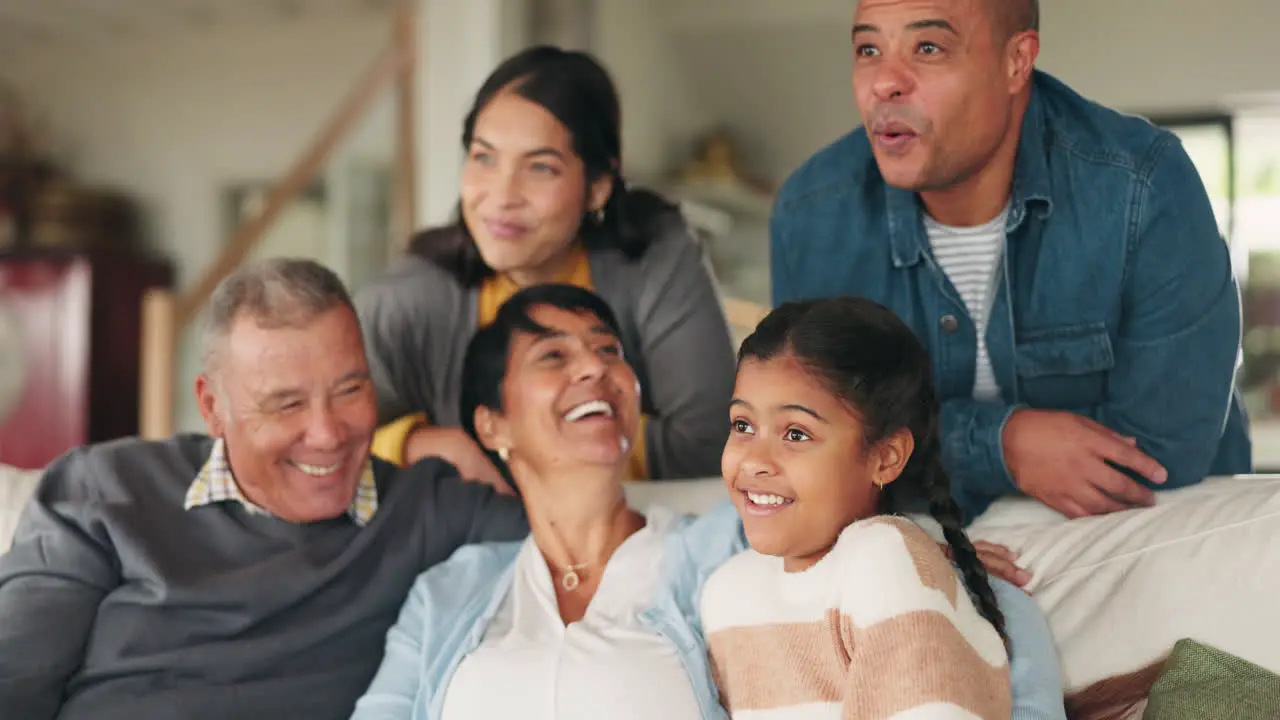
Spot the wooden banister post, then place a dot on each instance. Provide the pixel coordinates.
(159, 342)
(405, 198)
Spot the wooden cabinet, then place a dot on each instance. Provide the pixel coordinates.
(70, 331)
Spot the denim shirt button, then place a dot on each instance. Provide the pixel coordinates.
(949, 324)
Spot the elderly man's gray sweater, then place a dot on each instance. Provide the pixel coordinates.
(118, 604)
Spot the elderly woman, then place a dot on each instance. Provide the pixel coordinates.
(543, 200)
(594, 614)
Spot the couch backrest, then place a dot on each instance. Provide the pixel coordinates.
(686, 496)
(683, 496)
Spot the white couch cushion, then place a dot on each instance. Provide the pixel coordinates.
(16, 487)
(1119, 590)
(683, 496)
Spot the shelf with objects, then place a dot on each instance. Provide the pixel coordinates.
(730, 212)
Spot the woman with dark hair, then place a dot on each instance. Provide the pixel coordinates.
(543, 201)
(595, 614)
(590, 616)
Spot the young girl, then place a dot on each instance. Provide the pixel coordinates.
(843, 608)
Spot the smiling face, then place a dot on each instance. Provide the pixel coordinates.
(796, 464)
(935, 83)
(570, 400)
(296, 409)
(524, 189)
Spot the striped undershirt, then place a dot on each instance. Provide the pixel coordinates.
(969, 255)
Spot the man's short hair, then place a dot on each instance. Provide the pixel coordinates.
(1015, 16)
(274, 293)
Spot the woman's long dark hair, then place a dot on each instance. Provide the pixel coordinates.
(578, 91)
(865, 355)
(485, 364)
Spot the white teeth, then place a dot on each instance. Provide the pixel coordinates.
(766, 499)
(589, 408)
(318, 470)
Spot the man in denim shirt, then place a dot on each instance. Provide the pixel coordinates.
(1060, 260)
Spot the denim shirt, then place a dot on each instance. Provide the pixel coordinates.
(451, 605)
(1114, 296)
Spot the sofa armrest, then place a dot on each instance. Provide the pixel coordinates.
(16, 487)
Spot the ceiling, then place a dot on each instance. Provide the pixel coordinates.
(32, 23)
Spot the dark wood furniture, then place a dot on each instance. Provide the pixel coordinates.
(70, 333)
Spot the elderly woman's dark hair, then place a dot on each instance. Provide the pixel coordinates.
(485, 365)
(578, 91)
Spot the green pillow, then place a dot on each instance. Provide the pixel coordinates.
(1200, 682)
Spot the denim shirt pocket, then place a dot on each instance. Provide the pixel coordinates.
(1065, 367)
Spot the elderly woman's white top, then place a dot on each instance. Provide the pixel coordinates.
(607, 665)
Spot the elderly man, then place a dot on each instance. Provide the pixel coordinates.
(1060, 260)
(252, 573)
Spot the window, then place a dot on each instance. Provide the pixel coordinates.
(1239, 159)
(1256, 248)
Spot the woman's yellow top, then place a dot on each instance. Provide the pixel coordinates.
(389, 441)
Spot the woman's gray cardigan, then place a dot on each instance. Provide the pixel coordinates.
(417, 320)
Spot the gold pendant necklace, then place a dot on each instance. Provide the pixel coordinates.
(570, 581)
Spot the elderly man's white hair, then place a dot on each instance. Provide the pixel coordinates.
(274, 293)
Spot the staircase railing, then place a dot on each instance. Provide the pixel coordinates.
(166, 315)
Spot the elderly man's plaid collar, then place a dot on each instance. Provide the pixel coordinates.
(214, 484)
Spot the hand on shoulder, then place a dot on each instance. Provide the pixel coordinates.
(457, 448)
